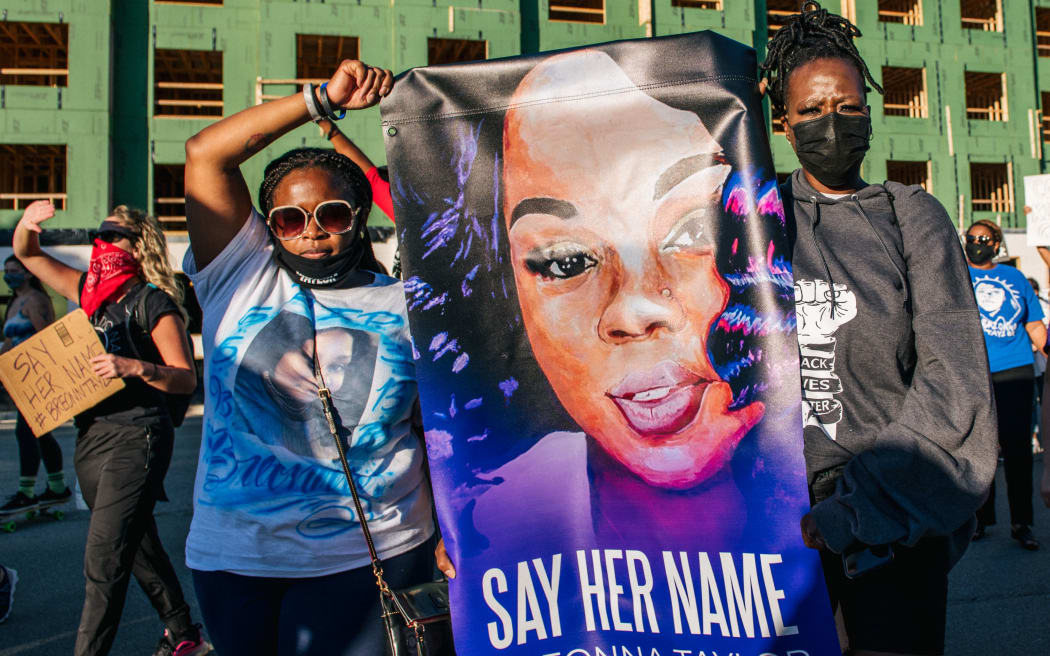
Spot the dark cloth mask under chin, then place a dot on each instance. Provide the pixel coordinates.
(831, 148)
(338, 271)
(979, 253)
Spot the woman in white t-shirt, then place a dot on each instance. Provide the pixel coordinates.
(279, 561)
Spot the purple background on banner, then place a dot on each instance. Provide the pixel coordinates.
(675, 531)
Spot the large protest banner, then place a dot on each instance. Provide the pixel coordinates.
(600, 297)
(49, 376)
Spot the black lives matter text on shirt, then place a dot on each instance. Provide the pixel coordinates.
(137, 403)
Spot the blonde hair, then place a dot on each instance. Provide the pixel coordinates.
(151, 251)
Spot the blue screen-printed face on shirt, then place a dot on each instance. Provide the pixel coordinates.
(276, 386)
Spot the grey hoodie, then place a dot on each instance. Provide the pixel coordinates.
(895, 374)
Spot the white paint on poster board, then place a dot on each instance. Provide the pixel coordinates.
(1037, 197)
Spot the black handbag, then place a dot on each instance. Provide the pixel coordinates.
(416, 619)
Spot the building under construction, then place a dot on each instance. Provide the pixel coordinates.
(97, 97)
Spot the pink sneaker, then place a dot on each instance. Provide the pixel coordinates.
(197, 647)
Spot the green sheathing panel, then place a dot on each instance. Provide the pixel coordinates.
(257, 38)
(621, 22)
(232, 29)
(128, 120)
(75, 115)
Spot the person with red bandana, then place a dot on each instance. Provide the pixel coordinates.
(124, 443)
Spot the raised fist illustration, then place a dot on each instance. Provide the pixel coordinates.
(818, 317)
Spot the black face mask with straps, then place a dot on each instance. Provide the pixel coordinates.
(832, 147)
(979, 253)
(339, 271)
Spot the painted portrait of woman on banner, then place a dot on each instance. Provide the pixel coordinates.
(603, 317)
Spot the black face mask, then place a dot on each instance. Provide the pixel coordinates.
(979, 253)
(831, 148)
(338, 271)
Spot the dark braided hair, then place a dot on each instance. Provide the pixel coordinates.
(343, 172)
(340, 167)
(814, 33)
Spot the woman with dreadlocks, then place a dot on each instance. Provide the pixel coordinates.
(293, 300)
(899, 427)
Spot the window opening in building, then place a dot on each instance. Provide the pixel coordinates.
(911, 173)
(986, 15)
(317, 54)
(698, 4)
(905, 92)
(169, 196)
(577, 11)
(908, 12)
(778, 125)
(777, 13)
(34, 54)
(450, 51)
(187, 83)
(1045, 113)
(1042, 31)
(991, 187)
(32, 172)
(986, 96)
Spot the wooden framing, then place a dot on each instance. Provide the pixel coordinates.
(261, 83)
(577, 11)
(908, 12)
(1042, 31)
(450, 51)
(777, 13)
(991, 187)
(317, 55)
(986, 96)
(905, 92)
(986, 15)
(32, 172)
(34, 54)
(169, 196)
(911, 173)
(698, 4)
(188, 83)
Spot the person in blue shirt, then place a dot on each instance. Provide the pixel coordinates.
(1012, 320)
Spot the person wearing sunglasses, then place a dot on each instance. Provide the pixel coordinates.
(124, 443)
(291, 294)
(1012, 320)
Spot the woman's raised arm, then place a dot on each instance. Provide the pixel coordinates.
(217, 198)
(60, 277)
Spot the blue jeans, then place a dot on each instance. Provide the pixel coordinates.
(334, 615)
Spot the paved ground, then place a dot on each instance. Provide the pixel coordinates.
(999, 600)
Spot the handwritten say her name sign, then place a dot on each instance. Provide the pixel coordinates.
(49, 375)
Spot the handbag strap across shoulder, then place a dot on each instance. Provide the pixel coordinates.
(326, 405)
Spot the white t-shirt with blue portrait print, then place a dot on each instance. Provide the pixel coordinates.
(270, 498)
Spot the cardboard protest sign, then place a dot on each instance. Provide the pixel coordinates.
(49, 375)
(1037, 197)
(602, 306)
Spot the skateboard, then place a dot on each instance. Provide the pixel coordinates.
(9, 520)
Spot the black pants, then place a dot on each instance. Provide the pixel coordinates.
(334, 615)
(900, 608)
(121, 471)
(31, 450)
(1013, 403)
